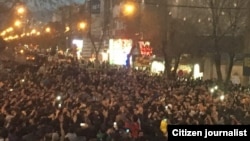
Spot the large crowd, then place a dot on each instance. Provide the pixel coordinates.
(67, 102)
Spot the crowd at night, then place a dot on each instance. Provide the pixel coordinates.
(66, 101)
(124, 70)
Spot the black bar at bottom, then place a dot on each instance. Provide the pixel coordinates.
(208, 132)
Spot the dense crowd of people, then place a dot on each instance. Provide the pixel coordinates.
(67, 102)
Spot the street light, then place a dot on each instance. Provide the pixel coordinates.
(67, 28)
(22, 35)
(3, 33)
(33, 31)
(17, 23)
(82, 25)
(9, 29)
(48, 30)
(20, 10)
(129, 9)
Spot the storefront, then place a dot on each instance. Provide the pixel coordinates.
(142, 55)
(157, 67)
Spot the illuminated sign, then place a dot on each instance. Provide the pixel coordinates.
(157, 67)
(142, 61)
(119, 49)
(145, 48)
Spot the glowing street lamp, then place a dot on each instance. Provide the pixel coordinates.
(67, 28)
(21, 51)
(9, 29)
(222, 97)
(17, 23)
(16, 36)
(82, 25)
(22, 35)
(3, 33)
(20, 10)
(33, 31)
(129, 9)
(48, 30)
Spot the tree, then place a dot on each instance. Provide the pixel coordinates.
(216, 21)
(178, 35)
(164, 31)
(183, 36)
(97, 38)
(165, 36)
(151, 25)
(237, 21)
(222, 26)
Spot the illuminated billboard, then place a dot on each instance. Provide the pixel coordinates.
(119, 50)
(145, 48)
(157, 67)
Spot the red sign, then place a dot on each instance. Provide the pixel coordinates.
(145, 48)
